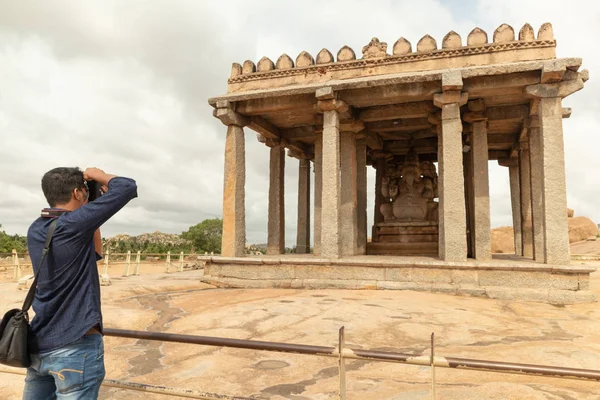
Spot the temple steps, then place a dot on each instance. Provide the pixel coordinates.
(403, 249)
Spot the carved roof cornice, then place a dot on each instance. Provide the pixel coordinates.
(391, 59)
(376, 59)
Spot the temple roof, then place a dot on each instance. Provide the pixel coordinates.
(505, 47)
(389, 98)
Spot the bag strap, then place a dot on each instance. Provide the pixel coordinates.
(31, 294)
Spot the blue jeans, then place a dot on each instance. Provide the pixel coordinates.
(73, 372)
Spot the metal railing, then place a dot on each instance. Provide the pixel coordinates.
(341, 352)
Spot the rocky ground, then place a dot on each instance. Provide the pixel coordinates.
(383, 320)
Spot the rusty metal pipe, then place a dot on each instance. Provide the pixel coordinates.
(374, 355)
(144, 387)
(224, 342)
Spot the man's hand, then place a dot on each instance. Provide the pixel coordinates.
(96, 174)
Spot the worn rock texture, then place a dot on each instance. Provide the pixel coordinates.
(581, 228)
(400, 321)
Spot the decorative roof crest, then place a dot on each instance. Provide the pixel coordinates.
(375, 49)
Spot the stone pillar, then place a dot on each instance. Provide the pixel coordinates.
(380, 172)
(469, 200)
(234, 212)
(535, 160)
(303, 230)
(330, 190)
(547, 101)
(330, 173)
(515, 200)
(554, 207)
(276, 219)
(349, 194)
(233, 242)
(482, 245)
(452, 215)
(361, 187)
(317, 195)
(525, 186)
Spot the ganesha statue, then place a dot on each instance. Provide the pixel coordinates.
(409, 191)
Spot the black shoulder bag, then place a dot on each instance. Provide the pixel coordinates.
(14, 328)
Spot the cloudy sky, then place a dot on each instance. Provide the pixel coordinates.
(123, 85)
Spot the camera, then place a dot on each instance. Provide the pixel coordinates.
(94, 190)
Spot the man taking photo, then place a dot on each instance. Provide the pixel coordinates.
(67, 344)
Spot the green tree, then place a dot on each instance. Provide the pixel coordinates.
(10, 242)
(206, 236)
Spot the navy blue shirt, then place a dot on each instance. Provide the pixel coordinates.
(67, 299)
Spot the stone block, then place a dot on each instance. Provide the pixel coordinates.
(528, 279)
(342, 273)
(212, 269)
(256, 272)
(105, 280)
(471, 290)
(25, 282)
(416, 286)
(452, 79)
(584, 281)
(524, 294)
(465, 277)
(563, 297)
(431, 275)
(339, 284)
(397, 274)
(297, 284)
(444, 288)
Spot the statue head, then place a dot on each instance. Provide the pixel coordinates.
(428, 169)
(411, 170)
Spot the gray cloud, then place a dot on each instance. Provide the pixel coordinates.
(123, 86)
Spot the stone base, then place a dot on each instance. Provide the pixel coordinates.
(105, 280)
(506, 280)
(404, 238)
(25, 282)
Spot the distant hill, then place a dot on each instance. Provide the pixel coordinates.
(157, 242)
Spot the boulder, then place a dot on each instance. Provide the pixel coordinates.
(581, 228)
(503, 240)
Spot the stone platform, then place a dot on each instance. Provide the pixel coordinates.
(416, 238)
(509, 278)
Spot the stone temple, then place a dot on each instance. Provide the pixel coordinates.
(428, 120)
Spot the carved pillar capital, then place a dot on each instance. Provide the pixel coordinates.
(450, 97)
(379, 154)
(508, 162)
(571, 82)
(352, 125)
(332, 105)
(225, 111)
(476, 113)
(435, 118)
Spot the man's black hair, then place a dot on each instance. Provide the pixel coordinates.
(59, 183)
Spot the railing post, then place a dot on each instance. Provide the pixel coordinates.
(138, 256)
(180, 262)
(342, 364)
(106, 257)
(16, 266)
(168, 261)
(128, 263)
(432, 366)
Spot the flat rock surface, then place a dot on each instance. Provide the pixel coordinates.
(399, 321)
